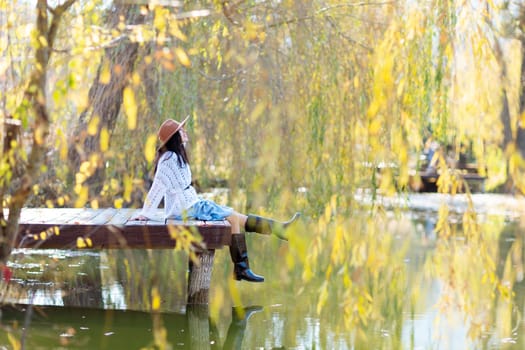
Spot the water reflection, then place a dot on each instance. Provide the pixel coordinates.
(87, 328)
(116, 279)
(463, 291)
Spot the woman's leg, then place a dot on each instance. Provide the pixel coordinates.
(237, 221)
(239, 250)
(266, 226)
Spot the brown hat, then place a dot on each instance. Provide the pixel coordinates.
(168, 129)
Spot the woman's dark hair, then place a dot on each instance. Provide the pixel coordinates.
(174, 144)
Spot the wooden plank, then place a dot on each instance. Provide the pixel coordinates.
(109, 228)
(44, 215)
(45, 222)
(104, 216)
(84, 217)
(122, 216)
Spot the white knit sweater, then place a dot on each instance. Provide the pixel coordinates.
(173, 183)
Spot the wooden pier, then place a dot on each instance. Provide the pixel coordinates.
(72, 228)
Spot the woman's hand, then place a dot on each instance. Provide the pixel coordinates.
(140, 218)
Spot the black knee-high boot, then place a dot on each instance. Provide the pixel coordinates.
(267, 226)
(239, 255)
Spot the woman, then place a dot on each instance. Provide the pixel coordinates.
(172, 182)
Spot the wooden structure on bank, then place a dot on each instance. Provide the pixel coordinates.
(71, 228)
(469, 174)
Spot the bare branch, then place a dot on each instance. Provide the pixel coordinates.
(111, 43)
(329, 8)
(356, 4)
(57, 15)
(228, 11)
(223, 77)
(346, 37)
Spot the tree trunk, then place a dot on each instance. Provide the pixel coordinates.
(105, 98)
(33, 107)
(520, 135)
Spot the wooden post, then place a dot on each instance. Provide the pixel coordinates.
(198, 327)
(200, 277)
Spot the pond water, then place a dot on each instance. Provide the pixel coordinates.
(440, 295)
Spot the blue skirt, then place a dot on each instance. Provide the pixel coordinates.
(207, 210)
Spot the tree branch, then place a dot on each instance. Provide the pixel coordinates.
(329, 8)
(35, 99)
(57, 16)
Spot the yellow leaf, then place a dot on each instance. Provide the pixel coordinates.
(176, 32)
(328, 272)
(105, 75)
(135, 78)
(159, 20)
(85, 168)
(15, 343)
(113, 183)
(323, 297)
(93, 125)
(80, 243)
(43, 235)
(61, 144)
(182, 57)
(82, 196)
(43, 41)
(150, 149)
(257, 111)
(155, 299)
(374, 127)
(118, 203)
(104, 140)
(130, 108)
(251, 30)
(39, 135)
(88, 241)
(225, 32)
(128, 187)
